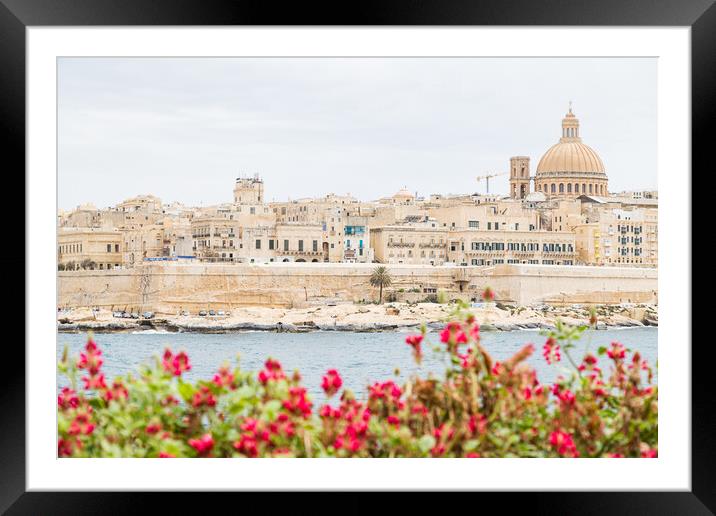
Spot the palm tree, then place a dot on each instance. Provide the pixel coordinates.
(381, 278)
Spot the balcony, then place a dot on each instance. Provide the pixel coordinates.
(296, 252)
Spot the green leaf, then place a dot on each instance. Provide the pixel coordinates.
(470, 445)
(186, 390)
(271, 408)
(426, 443)
(601, 350)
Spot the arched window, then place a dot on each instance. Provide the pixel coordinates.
(584, 187)
(590, 188)
(569, 187)
(553, 188)
(561, 187)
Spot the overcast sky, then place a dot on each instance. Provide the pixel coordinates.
(184, 129)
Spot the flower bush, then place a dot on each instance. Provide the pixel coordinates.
(480, 407)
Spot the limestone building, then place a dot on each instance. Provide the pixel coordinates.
(88, 248)
(249, 190)
(571, 168)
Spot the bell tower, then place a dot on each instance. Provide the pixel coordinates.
(519, 177)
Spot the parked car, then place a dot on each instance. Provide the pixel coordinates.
(134, 316)
(212, 312)
(228, 313)
(185, 313)
(117, 314)
(126, 315)
(148, 315)
(221, 313)
(202, 313)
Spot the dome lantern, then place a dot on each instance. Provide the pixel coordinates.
(570, 127)
(571, 168)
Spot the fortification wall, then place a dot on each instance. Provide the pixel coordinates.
(171, 287)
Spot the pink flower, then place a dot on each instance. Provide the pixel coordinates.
(166, 455)
(488, 294)
(415, 342)
(117, 392)
(297, 402)
(153, 428)
(67, 399)
(81, 424)
(566, 397)
(550, 350)
(203, 445)
(477, 424)
(224, 378)
(617, 351)
(247, 445)
(175, 364)
(331, 382)
(563, 443)
(272, 372)
(203, 397)
(94, 382)
(649, 454)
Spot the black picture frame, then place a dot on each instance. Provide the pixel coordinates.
(17, 15)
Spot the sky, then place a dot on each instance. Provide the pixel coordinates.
(184, 129)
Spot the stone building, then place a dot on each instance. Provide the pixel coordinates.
(249, 190)
(89, 248)
(419, 243)
(618, 236)
(482, 247)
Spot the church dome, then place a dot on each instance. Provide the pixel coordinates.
(570, 168)
(403, 194)
(570, 157)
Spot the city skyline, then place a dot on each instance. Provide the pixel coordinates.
(184, 129)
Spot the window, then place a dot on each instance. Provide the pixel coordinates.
(315, 246)
(252, 211)
(474, 224)
(271, 245)
(553, 188)
(300, 245)
(285, 245)
(109, 248)
(258, 243)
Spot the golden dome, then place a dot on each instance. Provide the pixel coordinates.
(403, 193)
(570, 157)
(570, 154)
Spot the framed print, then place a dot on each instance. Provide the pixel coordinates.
(438, 234)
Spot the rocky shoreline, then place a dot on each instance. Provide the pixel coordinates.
(360, 318)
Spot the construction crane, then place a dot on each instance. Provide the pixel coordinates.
(487, 177)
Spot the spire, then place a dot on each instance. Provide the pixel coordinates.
(570, 127)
